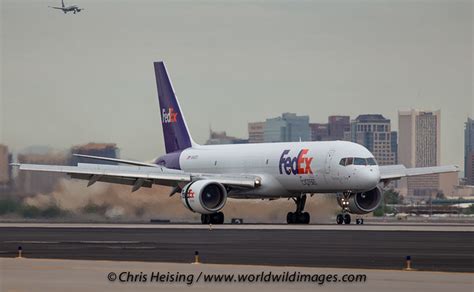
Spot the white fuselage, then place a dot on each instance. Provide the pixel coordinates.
(287, 169)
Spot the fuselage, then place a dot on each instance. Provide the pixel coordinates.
(285, 169)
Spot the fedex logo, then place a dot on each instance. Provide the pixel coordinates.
(296, 165)
(169, 116)
(190, 194)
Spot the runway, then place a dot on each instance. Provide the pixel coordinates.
(281, 245)
(77, 276)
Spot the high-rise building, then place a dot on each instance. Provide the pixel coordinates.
(256, 132)
(374, 132)
(469, 151)
(287, 128)
(217, 138)
(319, 132)
(419, 146)
(5, 168)
(338, 125)
(95, 149)
(333, 130)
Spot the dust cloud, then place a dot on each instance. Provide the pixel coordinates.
(117, 202)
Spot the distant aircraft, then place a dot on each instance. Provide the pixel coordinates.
(72, 8)
(206, 175)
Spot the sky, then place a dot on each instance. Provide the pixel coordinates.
(71, 79)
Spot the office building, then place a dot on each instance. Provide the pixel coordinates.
(287, 128)
(5, 168)
(216, 138)
(319, 132)
(255, 130)
(469, 151)
(374, 132)
(337, 126)
(419, 146)
(95, 149)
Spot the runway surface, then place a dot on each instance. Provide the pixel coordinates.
(77, 276)
(354, 247)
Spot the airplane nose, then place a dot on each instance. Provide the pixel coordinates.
(369, 177)
(373, 175)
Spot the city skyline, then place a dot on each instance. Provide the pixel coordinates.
(64, 83)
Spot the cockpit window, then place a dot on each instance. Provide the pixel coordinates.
(371, 161)
(349, 161)
(357, 161)
(360, 161)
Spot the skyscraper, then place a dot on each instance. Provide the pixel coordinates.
(374, 132)
(5, 168)
(319, 132)
(469, 151)
(419, 146)
(337, 126)
(256, 132)
(287, 128)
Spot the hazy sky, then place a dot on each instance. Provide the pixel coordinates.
(71, 79)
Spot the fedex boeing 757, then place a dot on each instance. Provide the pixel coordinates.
(206, 175)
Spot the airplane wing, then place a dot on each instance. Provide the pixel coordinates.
(393, 172)
(56, 7)
(140, 176)
(123, 161)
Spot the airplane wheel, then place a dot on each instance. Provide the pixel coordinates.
(306, 218)
(347, 219)
(339, 219)
(288, 218)
(291, 218)
(216, 218)
(361, 220)
(221, 218)
(205, 219)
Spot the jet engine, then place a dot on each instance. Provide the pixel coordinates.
(204, 196)
(361, 203)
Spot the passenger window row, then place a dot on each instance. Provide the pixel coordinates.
(357, 161)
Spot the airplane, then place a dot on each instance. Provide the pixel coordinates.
(72, 8)
(206, 175)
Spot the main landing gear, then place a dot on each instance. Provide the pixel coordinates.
(215, 218)
(298, 217)
(346, 219)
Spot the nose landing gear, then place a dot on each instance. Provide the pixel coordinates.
(298, 217)
(343, 218)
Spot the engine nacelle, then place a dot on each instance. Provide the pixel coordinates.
(204, 196)
(361, 203)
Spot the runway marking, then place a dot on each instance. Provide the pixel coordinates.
(104, 242)
(132, 247)
(32, 242)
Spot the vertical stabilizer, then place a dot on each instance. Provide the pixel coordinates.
(175, 130)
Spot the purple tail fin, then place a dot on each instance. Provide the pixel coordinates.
(175, 131)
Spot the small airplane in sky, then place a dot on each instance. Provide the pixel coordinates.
(66, 9)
